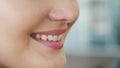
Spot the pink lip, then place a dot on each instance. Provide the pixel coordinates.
(51, 32)
(51, 44)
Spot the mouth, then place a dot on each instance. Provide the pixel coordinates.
(52, 39)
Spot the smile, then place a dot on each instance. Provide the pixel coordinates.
(52, 39)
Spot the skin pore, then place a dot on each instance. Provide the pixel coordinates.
(19, 18)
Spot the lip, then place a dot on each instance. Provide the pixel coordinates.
(51, 32)
(50, 44)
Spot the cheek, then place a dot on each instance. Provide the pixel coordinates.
(11, 35)
(14, 29)
(15, 26)
(13, 19)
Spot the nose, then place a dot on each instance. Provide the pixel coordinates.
(63, 12)
(60, 15)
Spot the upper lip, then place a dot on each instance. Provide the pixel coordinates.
(51, 32)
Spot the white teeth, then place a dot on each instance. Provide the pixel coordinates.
(50, 37)
(44, 37)
(55, 38)
(38, 36)
(60, 37)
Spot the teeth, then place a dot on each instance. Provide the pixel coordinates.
(53, 38)
(50, 37)
(38, 36)
(44, 37)
(60, 37)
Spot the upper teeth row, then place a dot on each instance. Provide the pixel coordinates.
(54, 38)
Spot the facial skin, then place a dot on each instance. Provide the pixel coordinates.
(19, 18)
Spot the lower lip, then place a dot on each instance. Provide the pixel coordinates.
(52, 45)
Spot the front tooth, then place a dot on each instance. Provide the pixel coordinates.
(55, 38)
(44, 37)
(50, 37)
(38, 36)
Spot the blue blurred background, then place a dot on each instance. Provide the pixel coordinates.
(94, 40)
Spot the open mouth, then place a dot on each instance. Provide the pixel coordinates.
(52, 39)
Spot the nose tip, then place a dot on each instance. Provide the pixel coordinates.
(60, 15)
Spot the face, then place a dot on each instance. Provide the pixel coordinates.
(32, 32)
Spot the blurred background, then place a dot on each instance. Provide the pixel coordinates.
(94, 40)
